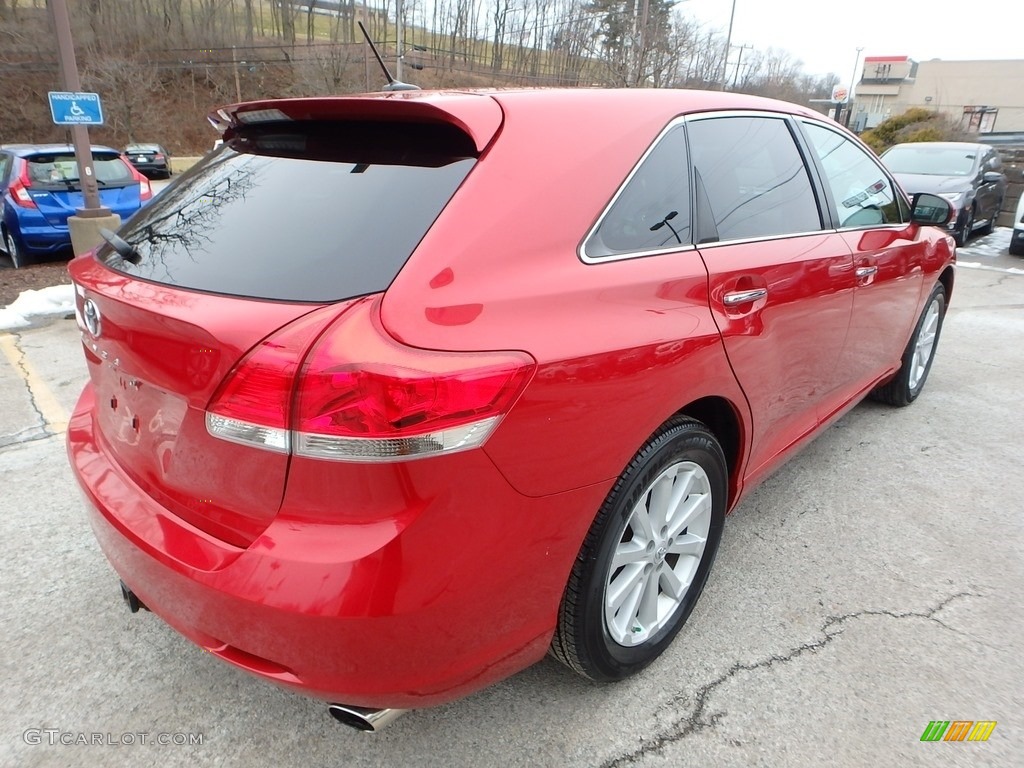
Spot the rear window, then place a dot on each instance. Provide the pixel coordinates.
(308, 212)
(60, 170)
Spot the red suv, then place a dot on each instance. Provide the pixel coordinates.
(397, 393)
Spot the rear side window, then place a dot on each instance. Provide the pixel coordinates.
(60, 170)
(306, 212)
(653, 210)
(750, 180)
(863, 195)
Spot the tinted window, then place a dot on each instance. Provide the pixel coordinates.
(59, 170)
(862, 193)
(312, 213)
(653, 210)
(750, 178)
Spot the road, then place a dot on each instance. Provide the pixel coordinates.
(873, 585)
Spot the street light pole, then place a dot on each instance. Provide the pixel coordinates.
(853, 82)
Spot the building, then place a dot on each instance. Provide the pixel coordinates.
(981, 96)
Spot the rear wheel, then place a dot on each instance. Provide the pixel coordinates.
(918, 356)
(646, 557)
(14, 251)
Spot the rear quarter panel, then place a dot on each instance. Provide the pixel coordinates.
(620, 346)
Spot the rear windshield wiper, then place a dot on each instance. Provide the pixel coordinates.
(124, 249)
(77, 180)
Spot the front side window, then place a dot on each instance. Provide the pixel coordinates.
(653, 210)
(863, 195)
(750, 179)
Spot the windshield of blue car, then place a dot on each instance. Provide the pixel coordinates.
(931, 161)
(59, 171)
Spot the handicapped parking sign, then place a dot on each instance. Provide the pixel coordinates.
(75, 108)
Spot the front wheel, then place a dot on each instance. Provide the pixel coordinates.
(991, 223)
(918, 356)
(964, 233)
(647, 556)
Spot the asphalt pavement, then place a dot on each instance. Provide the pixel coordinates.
(871, 586)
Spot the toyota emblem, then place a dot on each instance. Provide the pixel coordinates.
(91, 315)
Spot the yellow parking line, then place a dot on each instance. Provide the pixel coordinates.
(53, 414)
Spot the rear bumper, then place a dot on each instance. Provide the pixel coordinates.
(158, 167)
(44, 238)
(456, 592)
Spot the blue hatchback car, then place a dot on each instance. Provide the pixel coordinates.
(40, 188)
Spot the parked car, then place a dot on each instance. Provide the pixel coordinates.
(968, 175)
(387, 453)
(39, 189)
(151, 159)
(1017, 238)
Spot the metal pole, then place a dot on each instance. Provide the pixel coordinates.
(79, 133)
(728, 44)
(853, 81)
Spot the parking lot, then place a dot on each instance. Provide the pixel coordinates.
(874, 584)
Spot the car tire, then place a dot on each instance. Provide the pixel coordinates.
(1016, 245)
(964, 233)
(15, 252)
(904, 388)
(640, 572)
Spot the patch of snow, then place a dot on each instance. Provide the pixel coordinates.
(989, 246)
(55, 300)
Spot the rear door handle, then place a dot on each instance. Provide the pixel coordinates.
(744, 297)
(863, 272)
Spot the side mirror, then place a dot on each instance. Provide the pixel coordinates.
(991, 177)
(931, 209)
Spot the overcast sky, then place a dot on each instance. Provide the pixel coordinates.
(825, 34)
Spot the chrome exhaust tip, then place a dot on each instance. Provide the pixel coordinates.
(364, 718)
(132, 600)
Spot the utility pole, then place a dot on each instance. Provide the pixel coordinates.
(399, 31)
(238, 83)
(640, 47)
(739, 61)
(728, 44)
(85, 226)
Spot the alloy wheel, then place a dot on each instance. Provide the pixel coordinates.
(658, 554)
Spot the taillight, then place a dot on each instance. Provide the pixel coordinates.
(145, 190)
(19, 190)
(364, 397)
(361, 396)
(253, 404)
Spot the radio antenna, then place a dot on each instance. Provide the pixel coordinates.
(393, 85)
